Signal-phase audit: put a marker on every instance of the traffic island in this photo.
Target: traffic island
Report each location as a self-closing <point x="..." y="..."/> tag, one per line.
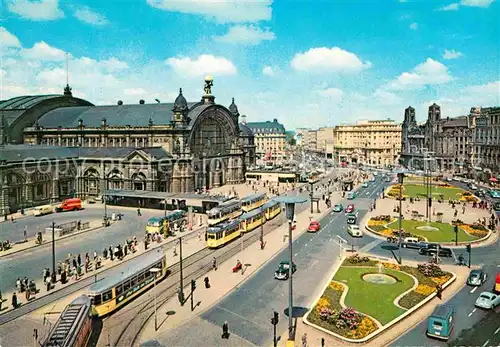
<point x="439" y="191"/>
<point x="436" y="232"/>
<point x="346" y="311"/>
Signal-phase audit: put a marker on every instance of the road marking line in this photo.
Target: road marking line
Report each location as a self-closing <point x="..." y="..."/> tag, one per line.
<point x="305" y="245"/>
<point x="295" y="254"/>
<point x="473" y="290"/>
<point x="470" y="314"/>
<point x="486" y="343"/>
<point x="496" y="331"/>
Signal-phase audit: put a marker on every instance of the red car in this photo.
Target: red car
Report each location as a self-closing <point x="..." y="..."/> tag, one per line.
<point x="349" y="208"/>
<point x="313" y="227"/>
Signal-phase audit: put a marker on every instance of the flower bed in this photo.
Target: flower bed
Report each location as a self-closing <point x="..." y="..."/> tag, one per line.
<point x="429" y="276"/>
<point x="476" y="230"/>
<point x="356" y="260"/>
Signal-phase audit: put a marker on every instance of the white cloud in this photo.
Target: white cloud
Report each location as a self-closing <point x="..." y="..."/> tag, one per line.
<point x="413" y="26"/>
<point x="387" y="98"/>
<point x="246" y="35"/>
<point x="222" y="11"/>
<point x="268" y="71"/>
<point x="134" y="91"/>
<point x="324" y="59"/>
<point x="8" y="40"/>
<point x="203" y="65"/>
<point x="468" y="3"/>
<point x="488" y="91"/>
<point x="333" y="94"/>
<point x="476" y="3"/>
<point x="431" y="72"/>
<point x="37" y="10"/>
<point x="451" y="7"/>
<point x="42" y="51"/>
<point x="451" y="54"/>
<point x="86" y="15"/>
<point x="113" y="64"/>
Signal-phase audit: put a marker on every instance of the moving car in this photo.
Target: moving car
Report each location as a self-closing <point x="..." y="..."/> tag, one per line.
<point x="282" y="272"/>
<point x="365" y="185"/>
<point x="372" y="179"/>
<point x="440" y="322"/>
<point x="354" y="231"/>
<point x="42" y="210"/>
<point x="411" y="242"/>
<point x="338" y="208"/>
<point x="476" y="278"/>
<point x="488" y="301"/>
<point x="431" y="249"/>
<point x="349" y="208"/>
<point x="313" y="227"/>
<point x="352" y="218"/>
<point x="351" y="195"/>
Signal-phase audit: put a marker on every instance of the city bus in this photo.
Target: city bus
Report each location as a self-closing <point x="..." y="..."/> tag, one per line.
<point x="164" y="225"/>
<point x="223" y="212"/>
<point x="116" y="290"/>
<point x="252" y="202"/>
<point x="74" y="326"/>
<point x="222" y="234"/>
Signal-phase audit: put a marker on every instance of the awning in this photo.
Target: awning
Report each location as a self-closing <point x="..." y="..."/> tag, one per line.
<point x="493" y="179"/>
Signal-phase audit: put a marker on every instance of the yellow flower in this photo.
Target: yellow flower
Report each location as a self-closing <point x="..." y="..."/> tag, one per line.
<point x="441" y="280"/>
<point x="322" y="303"/>
<point x="391" y="266"/>
<point x="336" y="286"/>
<point x="365" y="328"/>
<point x="425" y="289"/>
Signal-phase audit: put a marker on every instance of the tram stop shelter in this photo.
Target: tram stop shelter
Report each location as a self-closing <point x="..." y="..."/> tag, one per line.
<point x="347" y="185"/>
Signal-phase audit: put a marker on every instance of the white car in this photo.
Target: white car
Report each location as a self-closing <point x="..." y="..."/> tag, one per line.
<point x="473" y="187"/>
<point x="354" y="231"/>
<point x="488" y="300"/>
<point x="364" y="185"/>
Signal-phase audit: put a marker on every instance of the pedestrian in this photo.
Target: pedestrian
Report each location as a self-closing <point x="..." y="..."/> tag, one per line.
<point x="27" y="294"/>
<point x="225" y="330"/>
<point x="95" y="255"/>
<point x="14" y="300"/>
<point x="199" y="235"/>
<point x="463" y="209"/>
<point x="304" y="340"/>
<point x="12" y="218"/>
<point x="47" y="283"/>
<point x="79" y="260"/>
<point x="322" y="342"/>
<point x="25" y="233"/>
<point x="214" y="264"/>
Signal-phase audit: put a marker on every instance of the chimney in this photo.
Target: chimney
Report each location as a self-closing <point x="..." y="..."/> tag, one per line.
<point x="80" y="122"/>
<point x="103" y="122"/>
<point x="244" y="119"/>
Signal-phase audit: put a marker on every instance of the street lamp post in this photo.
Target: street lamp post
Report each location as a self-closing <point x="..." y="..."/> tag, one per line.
<point x="181" y="288"/>
<point x="290" y="202"/>
<point x="53" y="277"/>
<point x="154" y="271"/>
<point x="401" y="176"/>
<point x="311" y="193"/>
<point x="105" y="196"/>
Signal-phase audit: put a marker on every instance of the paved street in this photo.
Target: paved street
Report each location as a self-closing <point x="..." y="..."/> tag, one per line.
<point x="31" y="262"/>
<point x="249" y="307"/>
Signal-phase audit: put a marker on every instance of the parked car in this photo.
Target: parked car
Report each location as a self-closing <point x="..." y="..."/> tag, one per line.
<point x="372" y="179"/>
<point x="488" y="301"/>
<point x="338" y="208"/>
<point x="431" y="249"/>
<point x="354" y="231"/>
<point x="365" y="185"/>
<point x="349" y="208"/>
<point x="476" y="278"/>
<point x="411" y="242"/>
<point x="282" y="272"/>
<point x="314" y="226"/>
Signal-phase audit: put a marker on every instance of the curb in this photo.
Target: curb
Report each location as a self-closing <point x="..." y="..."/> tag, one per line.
<point x="48" y="242"/>
<point x="382" y="328"/>
<point x="447" y="244"/>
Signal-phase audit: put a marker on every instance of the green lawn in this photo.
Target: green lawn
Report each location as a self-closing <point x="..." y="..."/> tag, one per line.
<point x="446" y="231"/>
<point x="376" y="300"/>
<point x="414" y="190"/>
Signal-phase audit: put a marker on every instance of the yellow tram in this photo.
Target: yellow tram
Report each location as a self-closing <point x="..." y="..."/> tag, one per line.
<point x="118" y="289"/>
<point x="221" y="234"/>
<point x="224" y="212"/>
<point x="272" y="208"/>
<point x="251" y="202"/>
<point x="252" y="220"/>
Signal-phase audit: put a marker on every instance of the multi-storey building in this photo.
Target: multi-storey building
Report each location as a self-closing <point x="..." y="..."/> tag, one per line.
<point x="325" y="142"/>
<point x="310" y="140"/>
<point x="270" y="140"/>
<point x="375" y="143"/>
<point x="486" y="138"/>
<point x="445" y="141"/>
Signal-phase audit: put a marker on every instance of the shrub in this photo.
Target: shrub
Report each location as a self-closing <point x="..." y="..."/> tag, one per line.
<point x="350" y="317"/>
<point x="411" y="299"/>
<point x="356" y="259"/>
<point x="430" y="270"/>
<point x="325" y="313"/>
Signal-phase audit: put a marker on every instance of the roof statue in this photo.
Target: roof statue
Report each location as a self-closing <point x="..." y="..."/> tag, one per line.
<point x="180" y="103"/>
<point x="67" y="90"/>
<point x="233" y="108"/>
<point x="209" y="82"/>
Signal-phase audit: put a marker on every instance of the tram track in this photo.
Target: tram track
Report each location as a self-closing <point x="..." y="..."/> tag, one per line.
<point x="133" y="322"/>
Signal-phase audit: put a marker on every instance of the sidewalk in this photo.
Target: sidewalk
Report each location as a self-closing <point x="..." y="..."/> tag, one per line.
<point x="384" y="339"/>
<point x="191" y="244"/>
<point x="47" y="239"/>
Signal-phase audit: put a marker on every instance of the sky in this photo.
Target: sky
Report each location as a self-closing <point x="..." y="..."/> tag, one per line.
<point x="307" y="63"/>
